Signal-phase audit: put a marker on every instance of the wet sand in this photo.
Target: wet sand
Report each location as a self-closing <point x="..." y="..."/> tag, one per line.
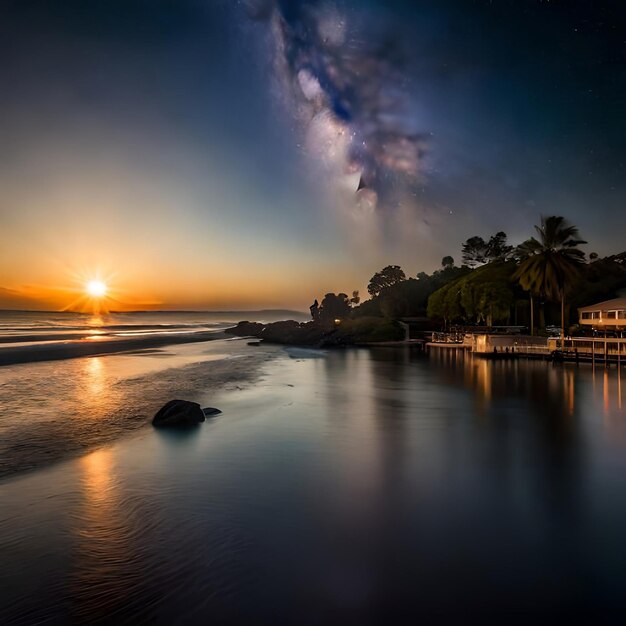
<point x="58" y="409"/>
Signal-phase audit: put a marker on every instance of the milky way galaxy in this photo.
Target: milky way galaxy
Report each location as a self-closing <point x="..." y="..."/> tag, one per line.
<point x="344" y="81"/>
<point x="431" y="115"/>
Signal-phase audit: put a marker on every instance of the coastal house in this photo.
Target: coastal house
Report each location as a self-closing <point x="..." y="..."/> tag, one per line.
<point x="608" y="315"/>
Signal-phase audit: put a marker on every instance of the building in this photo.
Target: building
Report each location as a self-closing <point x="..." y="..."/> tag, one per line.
<point x="609" y="315"/>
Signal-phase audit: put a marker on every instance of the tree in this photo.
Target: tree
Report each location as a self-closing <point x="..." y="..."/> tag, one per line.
<point x="315" y="310"/>
<point x="493" y="302"/>
<point x="387" y="277"/>
<point x="593" y="256"/>
<point x="497" y="247"/>
<point x="355" y="299"/>
<point x="523" y="251"/>
<point x="441" y="305"/>
<point x="334" y="307"/>
<point x="483" y="294"/>
<point x="447" y="261"/>
<point x="474" y="251"/>
<point x="477" y="251"/>
<point x="553" y="262"/>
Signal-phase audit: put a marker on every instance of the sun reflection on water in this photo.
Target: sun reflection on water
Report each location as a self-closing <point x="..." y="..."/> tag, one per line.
<point x="96" y="387"/>
<point x="97" y="478"/>
<point x="95" y="320"/>
<point x="105" y="565"/>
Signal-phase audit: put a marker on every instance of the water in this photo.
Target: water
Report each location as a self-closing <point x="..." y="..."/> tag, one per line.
<point x="54" y="409"/>
<point x="45" y="326"/>
<point x="363" y="486"/>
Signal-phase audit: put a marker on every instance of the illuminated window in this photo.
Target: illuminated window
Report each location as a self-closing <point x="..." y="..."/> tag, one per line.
<point x="591" y="315"/>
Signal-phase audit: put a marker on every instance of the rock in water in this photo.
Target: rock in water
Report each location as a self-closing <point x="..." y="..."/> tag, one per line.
<point x="210" y="411"/>
<point x="178" y="413"/>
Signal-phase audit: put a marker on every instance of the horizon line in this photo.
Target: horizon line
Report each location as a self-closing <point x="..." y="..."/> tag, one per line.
<point x="265" y="310"/>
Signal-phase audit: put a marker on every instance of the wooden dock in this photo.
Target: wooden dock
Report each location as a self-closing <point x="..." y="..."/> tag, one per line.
<point x="606" y="351"/>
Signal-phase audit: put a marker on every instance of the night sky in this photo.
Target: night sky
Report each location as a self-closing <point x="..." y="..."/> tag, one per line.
<point x="233" y="154"/>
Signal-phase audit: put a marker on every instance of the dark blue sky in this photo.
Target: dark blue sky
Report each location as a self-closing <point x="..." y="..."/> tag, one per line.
<point x="241" y="131"/>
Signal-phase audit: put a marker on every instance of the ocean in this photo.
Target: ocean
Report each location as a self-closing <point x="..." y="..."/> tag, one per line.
<point x="40" y="326"/>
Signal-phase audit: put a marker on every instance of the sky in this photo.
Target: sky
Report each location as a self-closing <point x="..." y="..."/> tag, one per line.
<point x="218" y="154"/>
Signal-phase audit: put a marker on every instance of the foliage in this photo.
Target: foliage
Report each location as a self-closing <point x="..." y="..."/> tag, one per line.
<point x="367" y="330"/>
<point x="548" y="266"/>
<point x="484" y="294"/>
<point x="476" y="251"/>
<point x="334" y="307"/>
<point x="408" y="298"/>
<point x="368" y="308"/>
<point x="601" y="280"/>
<point x="387" y="277"/>
<point x="552" y="264"/>
<point x="498" y="248"/>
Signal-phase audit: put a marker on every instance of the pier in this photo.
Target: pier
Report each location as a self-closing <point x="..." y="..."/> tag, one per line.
<point x="600" y="350"/>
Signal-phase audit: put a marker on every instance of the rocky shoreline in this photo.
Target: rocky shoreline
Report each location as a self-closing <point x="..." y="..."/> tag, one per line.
<point x="347" y="332"/>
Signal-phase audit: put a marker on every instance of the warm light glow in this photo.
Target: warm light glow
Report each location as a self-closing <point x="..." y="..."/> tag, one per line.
<point x="96" y="288"/>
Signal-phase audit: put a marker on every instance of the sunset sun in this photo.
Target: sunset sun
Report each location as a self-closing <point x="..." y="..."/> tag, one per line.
<point x="96" y="288"/>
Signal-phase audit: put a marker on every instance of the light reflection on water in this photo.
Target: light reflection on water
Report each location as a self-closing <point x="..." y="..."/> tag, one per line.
<point x="103" y="543"/>
<point x="340" y="489"/>
<point x="51" y="410"/>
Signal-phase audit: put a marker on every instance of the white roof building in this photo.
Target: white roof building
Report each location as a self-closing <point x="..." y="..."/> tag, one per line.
<point x="609" y="315"/>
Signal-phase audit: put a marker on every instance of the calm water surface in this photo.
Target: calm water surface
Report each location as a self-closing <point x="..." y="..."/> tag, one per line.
<point x="357" y="486"/>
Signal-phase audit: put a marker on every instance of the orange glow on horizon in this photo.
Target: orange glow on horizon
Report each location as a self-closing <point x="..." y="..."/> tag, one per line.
<point x="99" y="288"/>
<point x="92" y="293"/>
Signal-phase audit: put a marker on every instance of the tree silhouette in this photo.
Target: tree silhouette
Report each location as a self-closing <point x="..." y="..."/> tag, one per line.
<point x="334" y="307"/>
<point x="447" y="261"/>
<point x="523" y="251"/>
<point x="553" y="262"/>
<point x="497" y="247"/>
<point x="387" y="277"/>
<point x="477" y="251"/>
<point x="474" y="251"/>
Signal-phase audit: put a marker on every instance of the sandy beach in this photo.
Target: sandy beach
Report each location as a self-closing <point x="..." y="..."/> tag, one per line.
<point x="55" y="409"/>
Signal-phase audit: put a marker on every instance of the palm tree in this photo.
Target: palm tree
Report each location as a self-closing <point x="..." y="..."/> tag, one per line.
<point x="522" y="252"/>
<point x="552" y="262"/>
